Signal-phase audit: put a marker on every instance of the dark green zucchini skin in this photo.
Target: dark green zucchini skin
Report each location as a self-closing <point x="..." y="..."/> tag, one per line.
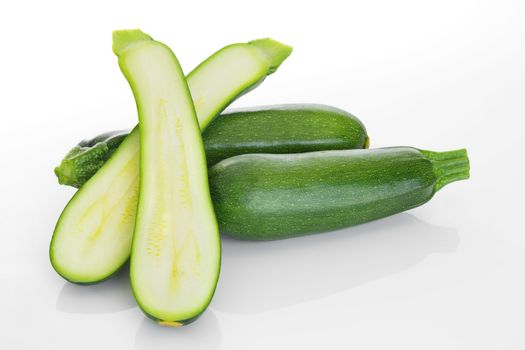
<point x="293" y="128"/>
<point x="84" y="160"/>
<point x="270" y="196"/>
<point x="290" y="128"/>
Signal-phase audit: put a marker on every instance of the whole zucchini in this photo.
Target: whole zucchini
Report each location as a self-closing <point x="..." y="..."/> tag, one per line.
<point x="293" y="128"/>
<point x="271" y="196"/>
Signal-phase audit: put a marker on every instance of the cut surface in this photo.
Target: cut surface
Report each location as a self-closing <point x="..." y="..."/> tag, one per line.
<point x="95" y="242"/>
<point x="242" y="59"/>
<point x="92" y="238"/>
<point x="176" y="247"/>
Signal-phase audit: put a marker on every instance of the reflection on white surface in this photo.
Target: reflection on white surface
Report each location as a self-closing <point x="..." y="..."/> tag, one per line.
<point x="109" y="296"/>
<point x="260" y="276"/>
<point x="202" y="334"/>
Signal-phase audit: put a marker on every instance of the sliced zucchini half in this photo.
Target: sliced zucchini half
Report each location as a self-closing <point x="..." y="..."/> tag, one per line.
<point x="92" y="238"/>
<point x="175" y="255"/>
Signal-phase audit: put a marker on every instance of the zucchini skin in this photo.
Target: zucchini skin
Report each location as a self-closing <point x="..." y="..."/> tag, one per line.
<point x="89" y="155"/>
<point x="293" y="128"/>
<point x="268" y="196"/>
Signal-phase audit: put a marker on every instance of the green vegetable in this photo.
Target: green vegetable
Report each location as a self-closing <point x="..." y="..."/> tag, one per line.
<point x="176" y="249"/>
<point x="282" y="129"/>
<point x="268" y="196"/>
<point x="92" y="239"/>
<point x="269" y="129"/>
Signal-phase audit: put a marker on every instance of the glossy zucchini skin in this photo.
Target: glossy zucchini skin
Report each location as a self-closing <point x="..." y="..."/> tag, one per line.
<point x="268" y="196"/>
<point x="290" y="128"/>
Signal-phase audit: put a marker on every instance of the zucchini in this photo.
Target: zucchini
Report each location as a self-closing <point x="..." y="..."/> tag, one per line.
<point x="92" y="238"/>
<point x="271" y="196"/>
<point x="176" y="249"/>
<point x="293" y="128"/>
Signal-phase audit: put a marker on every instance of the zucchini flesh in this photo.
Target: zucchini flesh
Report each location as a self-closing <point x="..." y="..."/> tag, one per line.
<point x="291" y="128"/>
<point x="93" y="234"/>
<point x="272" y="196"/>
<point x="175" y="256"/>
<point x="92" y="238"/>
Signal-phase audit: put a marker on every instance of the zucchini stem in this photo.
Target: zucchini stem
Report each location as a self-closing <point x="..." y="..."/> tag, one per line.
<point x="449" y="166"/>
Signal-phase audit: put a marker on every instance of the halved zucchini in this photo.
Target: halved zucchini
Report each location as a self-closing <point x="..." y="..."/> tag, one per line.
<point x="176" y="247"/>
<point x="92" y="239"/>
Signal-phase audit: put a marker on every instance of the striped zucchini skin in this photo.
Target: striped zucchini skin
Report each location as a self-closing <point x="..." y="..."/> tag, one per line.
<point x="269" y="196"/>
<point x="292" y="128"/>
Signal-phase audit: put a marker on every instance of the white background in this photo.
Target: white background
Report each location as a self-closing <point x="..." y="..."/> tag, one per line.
<point x="436" y="75"/>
